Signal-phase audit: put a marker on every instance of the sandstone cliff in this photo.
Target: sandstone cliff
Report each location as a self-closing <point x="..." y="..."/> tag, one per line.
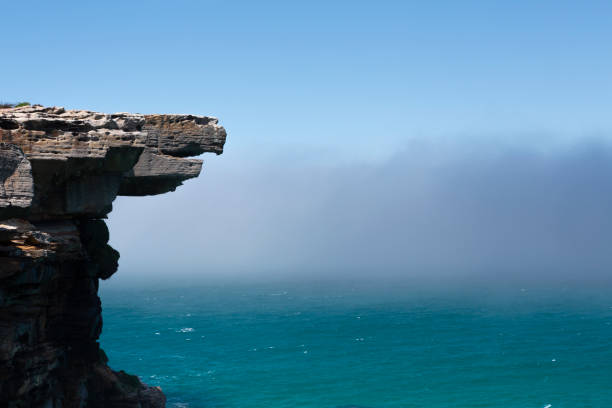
<point x="60" y="171"/>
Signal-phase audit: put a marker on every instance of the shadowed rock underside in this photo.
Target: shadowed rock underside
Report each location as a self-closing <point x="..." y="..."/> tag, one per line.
<point x="60" y="171"/>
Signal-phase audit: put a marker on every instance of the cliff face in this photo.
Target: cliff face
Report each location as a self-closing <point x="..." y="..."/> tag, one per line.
<point x="59" y="174"/>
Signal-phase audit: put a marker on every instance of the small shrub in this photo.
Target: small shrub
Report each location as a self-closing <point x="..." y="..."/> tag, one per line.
<point x="4" y="105"/>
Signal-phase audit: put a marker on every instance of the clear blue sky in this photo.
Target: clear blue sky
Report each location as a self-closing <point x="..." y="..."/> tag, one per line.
<point x="388" y="135"/>
<point x="354" y="76"/>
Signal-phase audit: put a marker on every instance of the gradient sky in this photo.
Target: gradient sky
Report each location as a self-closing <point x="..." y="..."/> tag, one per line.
<point x="397" y="137"/>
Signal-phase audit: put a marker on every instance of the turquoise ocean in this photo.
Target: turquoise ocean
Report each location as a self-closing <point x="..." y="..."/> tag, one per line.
<point x="331" y="345"/>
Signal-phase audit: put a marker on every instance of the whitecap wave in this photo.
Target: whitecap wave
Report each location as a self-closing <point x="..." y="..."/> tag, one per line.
<point x="186" y="330"/>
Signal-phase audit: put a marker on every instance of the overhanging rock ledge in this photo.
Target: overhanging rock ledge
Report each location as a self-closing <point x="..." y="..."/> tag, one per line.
<point x="60" y="171"/>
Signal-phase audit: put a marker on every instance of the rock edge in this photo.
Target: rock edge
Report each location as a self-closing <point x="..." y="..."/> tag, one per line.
<point x="60" y="171"/>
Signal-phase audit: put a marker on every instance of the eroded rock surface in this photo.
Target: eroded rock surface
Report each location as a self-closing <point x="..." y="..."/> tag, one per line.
<point x="60" y="171"/>
<point x="17" y="185"/>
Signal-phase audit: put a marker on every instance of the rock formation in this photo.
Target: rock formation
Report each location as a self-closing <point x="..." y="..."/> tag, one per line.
<point x="60" y="171"/>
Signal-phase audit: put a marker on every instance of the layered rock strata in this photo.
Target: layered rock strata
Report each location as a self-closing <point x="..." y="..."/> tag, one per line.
<point x="60" y="171"/>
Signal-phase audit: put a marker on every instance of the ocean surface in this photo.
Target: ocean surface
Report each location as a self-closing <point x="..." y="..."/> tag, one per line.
<point x="342" y="345"/>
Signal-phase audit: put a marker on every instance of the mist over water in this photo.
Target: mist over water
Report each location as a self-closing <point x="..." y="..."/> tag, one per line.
<point x="471" y="273"/>
<point x="476" y="210"/>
